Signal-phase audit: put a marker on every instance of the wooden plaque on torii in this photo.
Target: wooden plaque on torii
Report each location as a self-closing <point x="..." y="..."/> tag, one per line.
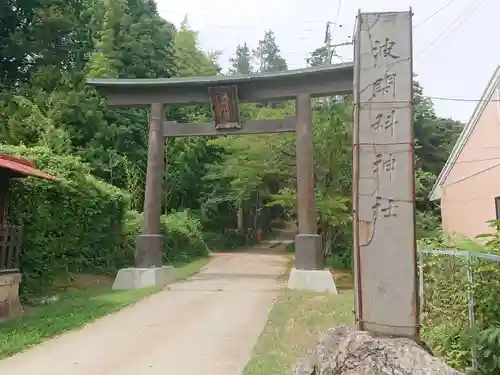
<point x="225" y="109"/>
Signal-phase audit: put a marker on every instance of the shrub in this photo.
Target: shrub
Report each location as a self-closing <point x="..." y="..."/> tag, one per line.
<point x="446" y="320"/>
<point x="427" y="225"/>
<point x="183" y="237"/>
<point x="132" y="227"/>
<point x="229" y="240"/>
<point x="72" y="225"/>
<point x="80" y="224"/>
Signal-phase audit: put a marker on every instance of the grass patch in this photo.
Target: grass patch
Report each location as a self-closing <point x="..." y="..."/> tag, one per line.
<point x="289" y="265"/>
<point x="294" y="325"/>
<point x="183" y="271"/>
<point x="74" y="309"/>
<point x="343" y="278"/>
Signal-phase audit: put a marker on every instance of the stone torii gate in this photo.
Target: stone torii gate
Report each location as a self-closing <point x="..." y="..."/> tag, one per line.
<point x="224" y="94"/>
<point x="386" y="280"/>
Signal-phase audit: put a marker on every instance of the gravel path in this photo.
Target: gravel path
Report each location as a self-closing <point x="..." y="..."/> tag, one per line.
<point x="205" y="325"/>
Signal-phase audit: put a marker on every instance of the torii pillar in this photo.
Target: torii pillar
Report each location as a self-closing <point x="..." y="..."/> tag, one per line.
<point x="309" y="272"/>
<point x="149" y="269"/>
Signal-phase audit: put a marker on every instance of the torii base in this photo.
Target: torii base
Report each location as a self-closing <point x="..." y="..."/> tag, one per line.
<point x="320" y="281"/>
<point x="136" y="278"/>
<point x="309" y="273"/>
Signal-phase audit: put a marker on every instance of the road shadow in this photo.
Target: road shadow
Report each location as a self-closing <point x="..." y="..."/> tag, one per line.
<point x="258" y="249"/>
<point x="223" y="275"/>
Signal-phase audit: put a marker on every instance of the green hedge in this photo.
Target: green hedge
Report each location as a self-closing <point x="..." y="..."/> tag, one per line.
<point x="225" y="241"/>
<point x="445" y="316"/>
<point x="81" y="224"/>
<point x="72" y="225"/>
<point x="183" y="239"/>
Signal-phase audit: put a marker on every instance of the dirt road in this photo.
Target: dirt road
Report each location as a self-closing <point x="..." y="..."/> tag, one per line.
<point x="206" y="325"/>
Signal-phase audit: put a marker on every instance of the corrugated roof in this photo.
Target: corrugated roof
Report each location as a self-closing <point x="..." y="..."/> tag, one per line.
<point x="23" y="167"/>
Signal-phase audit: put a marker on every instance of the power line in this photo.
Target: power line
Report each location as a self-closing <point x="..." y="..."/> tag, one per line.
<point x="459" y="18"/>
<point x="476" y="160"/>
<point x="435" y="13"/>
<point x="329" y="35"/>
<point x="473" y="175"/>
<point x="8" y="38"/>
<point x="415" y="143"/>
<point x="330" y="48"/>
<point x="451" y="99"/>
<point x="327" y="40"/>
<point x="71" y="50"/>
<point x="209" y="15"/>
<point x="81" y="46"/>
<point x="442" y="98"/>
<point x="469" y="200"/>
<point x="339" y="6"/>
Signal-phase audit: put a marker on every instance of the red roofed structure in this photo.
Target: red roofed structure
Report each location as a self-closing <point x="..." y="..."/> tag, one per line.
<point x="19" y="167"/>
<point x="11" y="235"/>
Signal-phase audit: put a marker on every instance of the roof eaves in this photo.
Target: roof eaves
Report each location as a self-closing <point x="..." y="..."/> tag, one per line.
<point x="465" y="134"/>
<point x="23" y="167"/>
<point x="216" y="79"/>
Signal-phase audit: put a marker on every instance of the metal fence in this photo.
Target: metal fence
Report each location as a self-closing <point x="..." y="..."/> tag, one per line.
<point x="457" y="290"/>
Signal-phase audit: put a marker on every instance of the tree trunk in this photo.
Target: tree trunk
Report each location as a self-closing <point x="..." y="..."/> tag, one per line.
<point x="240" y="217"/>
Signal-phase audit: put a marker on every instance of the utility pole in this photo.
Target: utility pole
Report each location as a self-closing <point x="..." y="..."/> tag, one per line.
<point x="328" y="42"/>
<point x="330" y="48"/>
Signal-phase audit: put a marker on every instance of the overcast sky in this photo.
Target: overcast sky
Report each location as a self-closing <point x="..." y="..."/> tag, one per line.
<point x="457" y="64"/>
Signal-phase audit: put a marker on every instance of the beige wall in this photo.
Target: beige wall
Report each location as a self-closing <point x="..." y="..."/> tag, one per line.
<point x="468" y="194"/>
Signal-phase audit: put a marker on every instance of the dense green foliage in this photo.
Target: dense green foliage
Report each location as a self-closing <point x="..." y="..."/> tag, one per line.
<point x="46" y="52"/>
<point x="88" y="221"/>
<point x="73" y="225"/>
<point x="81" y="224"/>
<point x="447" y="325"/>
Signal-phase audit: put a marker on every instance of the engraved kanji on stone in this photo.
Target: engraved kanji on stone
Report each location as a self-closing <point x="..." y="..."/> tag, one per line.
<point x="385" y="121"/>
<point x="387" y="207"/>
<point x="390" y="208"/>
<point x="384" y="164"/>
<point x="384" y="86"/>
<point x="384" y="49"/>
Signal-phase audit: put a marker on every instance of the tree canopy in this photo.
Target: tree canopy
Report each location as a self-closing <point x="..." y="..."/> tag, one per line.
<point x="47" y="50"/>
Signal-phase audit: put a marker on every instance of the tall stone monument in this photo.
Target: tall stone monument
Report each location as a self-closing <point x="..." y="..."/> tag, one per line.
<point x="384" y="197"/>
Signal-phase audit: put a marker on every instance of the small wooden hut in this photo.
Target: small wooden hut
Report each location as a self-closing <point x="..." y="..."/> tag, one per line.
<point x="11" y="235"/>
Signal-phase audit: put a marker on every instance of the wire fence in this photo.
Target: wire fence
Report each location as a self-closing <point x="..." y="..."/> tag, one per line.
<point x="459" y="297"/>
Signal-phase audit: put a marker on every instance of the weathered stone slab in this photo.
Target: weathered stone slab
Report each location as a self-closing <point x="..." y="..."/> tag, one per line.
<point x="135" y="278"/>
<point x="320" y="281"/>
<point x="384" y="192"/>
<point x="344" y="351"/>
<point x="10" y="305"/>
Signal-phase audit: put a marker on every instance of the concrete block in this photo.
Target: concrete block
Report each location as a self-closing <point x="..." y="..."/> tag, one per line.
<point x="10" y="305"/>
<point x="312" y="280"/>
<point x="135" y="278"/>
